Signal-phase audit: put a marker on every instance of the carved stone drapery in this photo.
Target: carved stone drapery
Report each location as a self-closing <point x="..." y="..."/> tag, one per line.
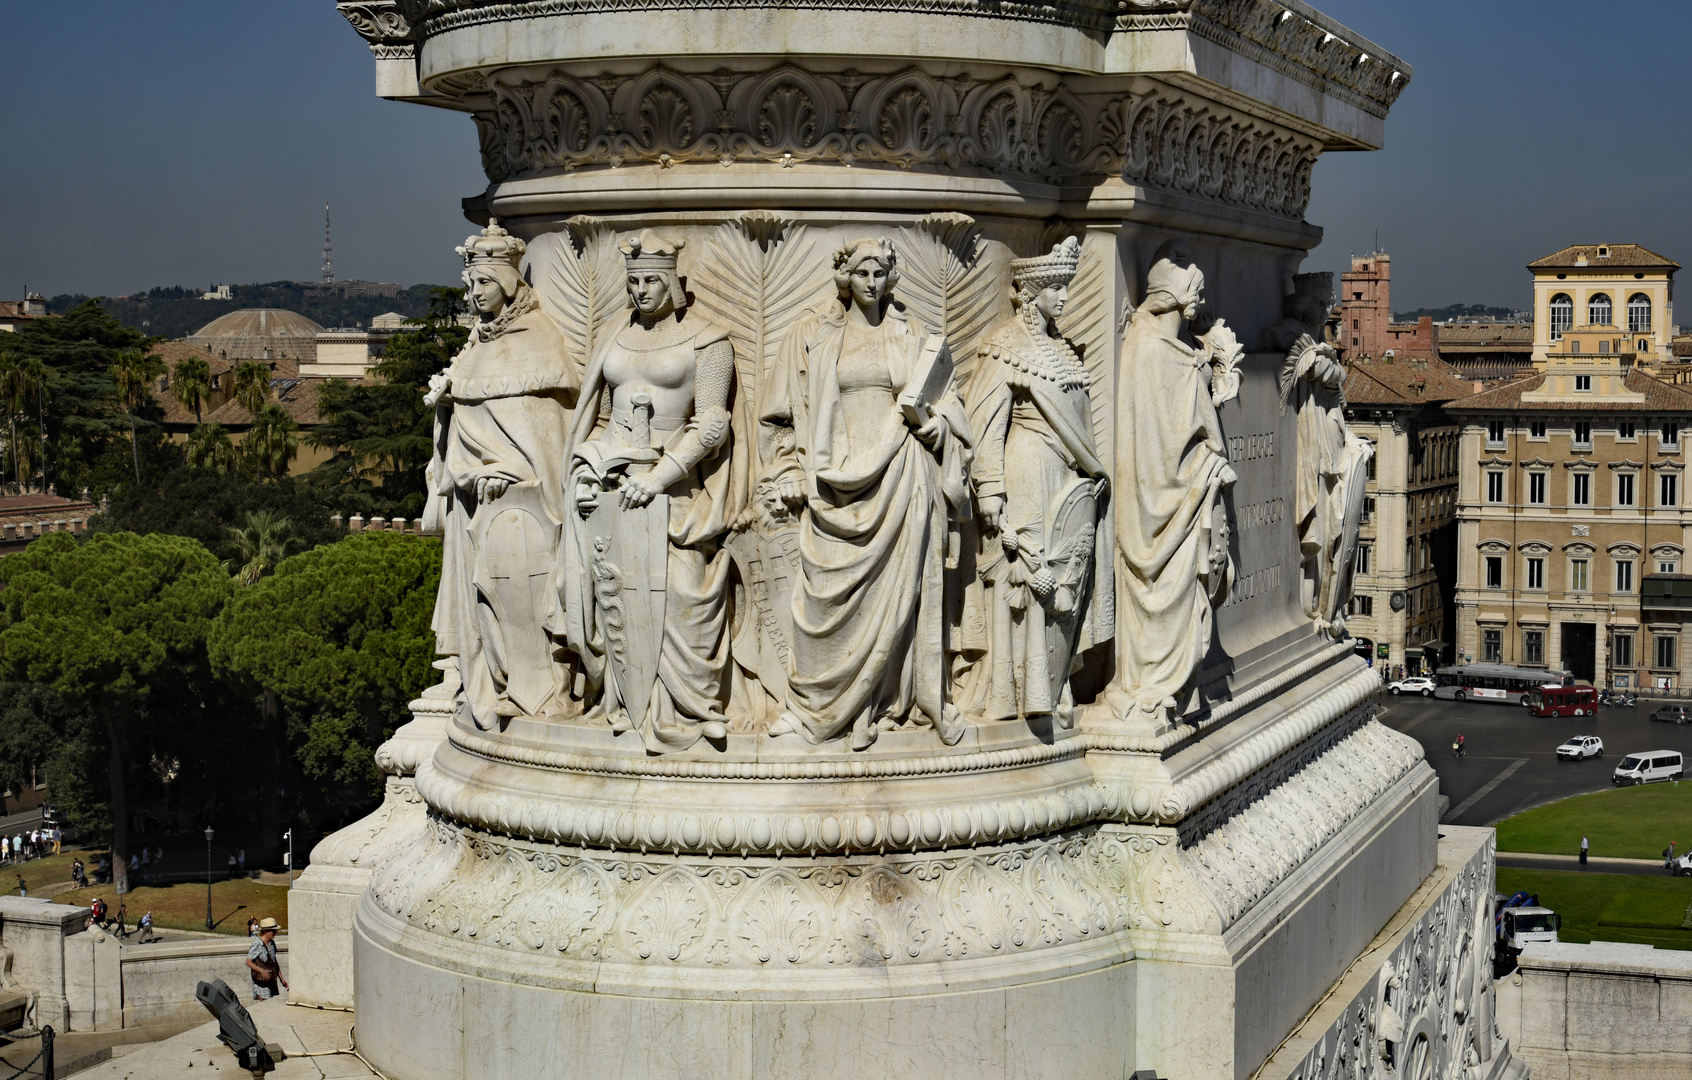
<point x="1002" y="126"/>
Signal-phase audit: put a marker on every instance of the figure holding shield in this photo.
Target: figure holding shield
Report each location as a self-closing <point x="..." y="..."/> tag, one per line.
<point x="655" y="479"/>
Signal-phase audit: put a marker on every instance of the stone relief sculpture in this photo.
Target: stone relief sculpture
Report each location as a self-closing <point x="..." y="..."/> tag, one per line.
<point x="655" y="480"/>
<point x="496" y="488"/>
<point x="1332" y="462"/>
<point x="878" y="459"/>
<point x="1040" y="485"/>
<point x="1172" y="470"/>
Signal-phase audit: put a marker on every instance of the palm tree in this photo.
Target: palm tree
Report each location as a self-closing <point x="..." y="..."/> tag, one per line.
<point x="252" y="385"/>
<point x="273" y="441"/>
<point x="191" y="383"/>
<point x="134" y="371"/>
<point x="260" y="545"/>
<point x="209" y="448"/>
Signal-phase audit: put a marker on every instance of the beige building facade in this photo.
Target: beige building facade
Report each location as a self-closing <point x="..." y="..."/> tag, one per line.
<point x="1624" y="288"/>
<point x="1572" y="520"/>
<point x="1406" y="569"/>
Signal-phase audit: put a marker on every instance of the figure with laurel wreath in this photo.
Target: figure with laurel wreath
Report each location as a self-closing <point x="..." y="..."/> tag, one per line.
<point x="656" y="475"/>
<point x="1041" y="489"/>
<point x="879" y="460"/>
<point x="496" y="489"/>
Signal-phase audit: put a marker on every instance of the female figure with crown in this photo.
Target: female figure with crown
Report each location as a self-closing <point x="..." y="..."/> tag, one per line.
<point x="496" y="486"/>
<point x="656" y="476"/>
<point x="879" y="460"/>
<point x="1040" y="484"/>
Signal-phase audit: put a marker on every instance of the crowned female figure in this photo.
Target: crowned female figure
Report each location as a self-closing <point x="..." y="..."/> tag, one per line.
<point x="879" y="460"/>
<point x="1171" y="471"/>
<point x="496" y="487"/>
<point x="655" y="482"/>
<point x="1040" y="485"/>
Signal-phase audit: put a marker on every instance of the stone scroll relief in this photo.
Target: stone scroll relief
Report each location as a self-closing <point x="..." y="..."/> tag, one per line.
<point x="1428" y="1012"/>
<point x="651" y="910"/>
<point x="1262" y="30"/>
<point x="1002" y="126"/>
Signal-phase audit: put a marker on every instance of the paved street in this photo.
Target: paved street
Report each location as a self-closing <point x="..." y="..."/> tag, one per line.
<point x="1512" y="762"/>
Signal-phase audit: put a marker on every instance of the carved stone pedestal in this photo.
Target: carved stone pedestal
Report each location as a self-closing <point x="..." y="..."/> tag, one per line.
<point x="901" y="665"/>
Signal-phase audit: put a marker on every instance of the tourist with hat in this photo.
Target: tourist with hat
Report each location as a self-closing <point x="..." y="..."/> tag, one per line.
<point x="262" y="963"/>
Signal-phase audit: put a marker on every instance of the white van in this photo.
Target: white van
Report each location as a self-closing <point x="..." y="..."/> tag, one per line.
<point x="1648" y="767"/>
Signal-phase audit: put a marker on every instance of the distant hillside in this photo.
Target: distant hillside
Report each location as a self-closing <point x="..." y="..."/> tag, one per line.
<point x="175" y="311"/>
<point x="1456" y="313"/>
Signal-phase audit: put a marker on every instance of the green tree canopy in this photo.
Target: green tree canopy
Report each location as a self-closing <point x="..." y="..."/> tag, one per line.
<point x="105" y="623"/>
<point x="191" y="384"/>
<point x="340" y="635"/>
<point x="203" y="503"/>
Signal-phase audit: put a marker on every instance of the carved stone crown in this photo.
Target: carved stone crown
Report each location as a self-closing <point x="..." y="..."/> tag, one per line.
<point x="493" y="245"/>
<point x="648" y="250"/>
<point x="1317" y="284"/>
<point x="1044" y="270"/>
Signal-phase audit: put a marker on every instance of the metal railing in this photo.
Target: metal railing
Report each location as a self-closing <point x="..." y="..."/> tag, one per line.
<point x="44" y="1059"/>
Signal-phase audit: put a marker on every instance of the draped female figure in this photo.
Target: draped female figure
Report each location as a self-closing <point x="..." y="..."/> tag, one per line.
<point x="879" y="461"/>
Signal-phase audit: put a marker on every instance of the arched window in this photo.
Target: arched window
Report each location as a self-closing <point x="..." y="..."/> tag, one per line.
<point x="1639" y="313"/>
<point x="1598" y="310"/>
<point x="1562" y="315"/>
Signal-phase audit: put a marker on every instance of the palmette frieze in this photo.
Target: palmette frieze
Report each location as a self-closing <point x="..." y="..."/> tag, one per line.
<point x="635" y="910"/>
<point x="1001" y="126"/>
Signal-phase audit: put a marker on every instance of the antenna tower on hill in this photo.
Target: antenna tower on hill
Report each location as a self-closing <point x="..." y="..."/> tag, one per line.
<point x="328" y="259"/>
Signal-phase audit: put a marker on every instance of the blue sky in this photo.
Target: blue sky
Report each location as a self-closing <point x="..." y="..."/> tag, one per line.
<point x="192" y="141"/>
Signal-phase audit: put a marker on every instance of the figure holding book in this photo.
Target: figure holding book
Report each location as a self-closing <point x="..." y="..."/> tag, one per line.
<point x="1040" y="486"/>
<point x="879" y="462"/>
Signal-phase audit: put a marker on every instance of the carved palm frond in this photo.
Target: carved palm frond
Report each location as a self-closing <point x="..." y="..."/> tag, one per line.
<point x="578" y="276"/>
<point x="1087" y="321"/>
<point x="757" y="277"/>
<point x="948" y="284"/>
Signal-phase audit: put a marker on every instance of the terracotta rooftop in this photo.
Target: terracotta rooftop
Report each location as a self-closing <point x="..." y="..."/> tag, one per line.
<point x="1481" y="335"/>
<point x="1405" y="382"/>
<point x="298" y="396"/>
<point x="173" y="352"/>
<point x="1659" y="397"/>
<point x="14" y="309"/>
<point x="1620" y="255"/>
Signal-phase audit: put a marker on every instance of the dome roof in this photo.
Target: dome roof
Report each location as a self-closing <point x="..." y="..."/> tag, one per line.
<point x="259" y="333"/>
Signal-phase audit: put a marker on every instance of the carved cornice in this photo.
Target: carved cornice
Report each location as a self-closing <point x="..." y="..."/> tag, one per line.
<point x="1153" y="135"/>
<point x="1266" y="829"/>
<point x="1265" y="31"/>
<point x="597" y="916"/>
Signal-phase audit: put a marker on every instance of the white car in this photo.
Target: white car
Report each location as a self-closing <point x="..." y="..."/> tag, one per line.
<point x="1581" y="747"/>
<point x="1415" y="684"/>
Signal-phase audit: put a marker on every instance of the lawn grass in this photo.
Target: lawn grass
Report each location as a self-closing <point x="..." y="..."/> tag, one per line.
<point x="48" y="871"/>
<point x="1610" y="907"/>
<point x="183" y="907"/>
<point x="1626" y="823"/>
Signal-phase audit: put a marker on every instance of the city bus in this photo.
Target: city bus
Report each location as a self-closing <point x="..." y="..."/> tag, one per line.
<point x="1491" y="682"/>
<point x="1562" y="701"/>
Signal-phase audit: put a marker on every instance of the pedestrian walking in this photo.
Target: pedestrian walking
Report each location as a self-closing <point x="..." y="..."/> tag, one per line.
<point x="23" y="886"/>
<point x="1668" y="856"/>
<point x="145" y="926"/>
<point x="123" y="918"/>
<point x="262" y="963"/>
<point x="252" y="926"/>
<point x="5" y="849"/>
<point x="241" y="861"/>
<point x="58" y="840"/>
<point x="231" y="866"/>
<point x="1583" y="851"/>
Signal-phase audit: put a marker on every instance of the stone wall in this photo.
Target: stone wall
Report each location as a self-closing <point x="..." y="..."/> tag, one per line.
<point x="1601" y="1010"/>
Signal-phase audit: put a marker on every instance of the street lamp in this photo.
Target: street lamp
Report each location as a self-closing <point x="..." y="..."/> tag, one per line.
<point x="208" y="877"/>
